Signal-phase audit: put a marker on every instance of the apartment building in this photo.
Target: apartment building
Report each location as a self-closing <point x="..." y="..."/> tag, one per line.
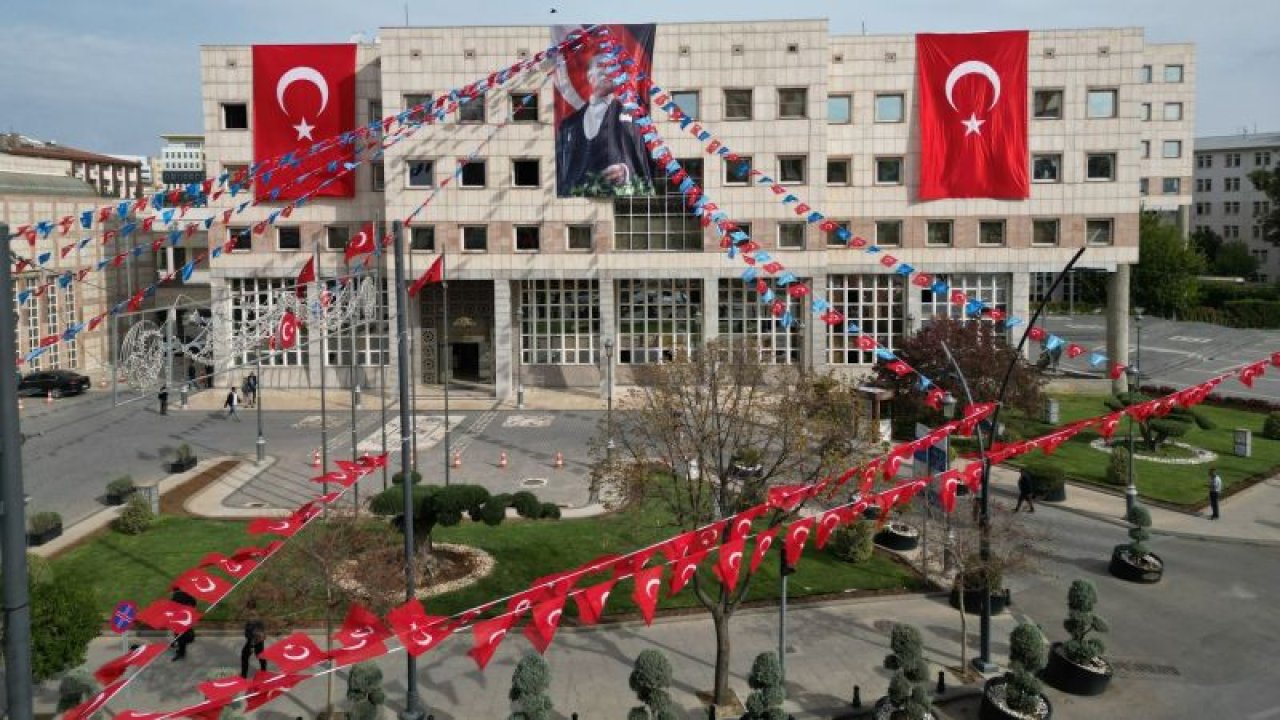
<point x="1226" y="202"/>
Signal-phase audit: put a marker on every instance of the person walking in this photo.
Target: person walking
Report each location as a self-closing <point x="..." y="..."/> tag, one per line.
<point x="189" y="635"/>
<point x="232" y="402"/>
<point x="191" y="377"/>
<point x="1215" y="491"/>
<point x="1024" y="492"/>
<point x="251" y="389"/>
<point x="255" y="639"/>
<point x="163" y="396"/>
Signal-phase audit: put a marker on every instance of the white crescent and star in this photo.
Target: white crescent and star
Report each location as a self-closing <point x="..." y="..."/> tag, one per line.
<point x="688" y="572"/>
<point x="496" y="637"/>
<point x="203" y="584"/>
<point x="742" y="527"/>
<point x="303" y="74"/>
<point x="226" y="682"/>
<point x="802" y="533"/>
<point x="292" y="656"/>
<point x="553" y="617"/>
<point x="180" y="617"/>
<point x="421" y="637"/>
<point x="363" y="640"/>
<point x="973" y="126"/>
<point x="280" y="526"/>
<point x="232" y="567"/>
<point x="651" y="587"/>
<point x="735" y="560"/>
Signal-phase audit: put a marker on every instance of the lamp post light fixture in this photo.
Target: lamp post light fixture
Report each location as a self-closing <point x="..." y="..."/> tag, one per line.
<point x="257" y="403"/>
<point x="948" y="559"/>
<point x="1134" y="374"/>
<point x="520" y="359"/>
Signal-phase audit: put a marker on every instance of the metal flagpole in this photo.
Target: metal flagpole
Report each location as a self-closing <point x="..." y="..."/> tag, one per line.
<point x="355" y="389"/>
<point x="382" y="348"/>
<point x="324" y="362"/>
<point x="448" y="351"/>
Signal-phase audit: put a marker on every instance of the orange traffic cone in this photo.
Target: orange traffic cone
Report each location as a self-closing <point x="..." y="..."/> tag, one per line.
<point x="502" y="459"/>
<point x="48" y="399"/>
<point x="315" y="458"/>
<point x="559" y="459"/>
<point x="457" y="458"/>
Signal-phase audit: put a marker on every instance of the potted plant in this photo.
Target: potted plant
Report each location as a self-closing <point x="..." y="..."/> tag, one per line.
<point x="1135" y="562"/>
<point x="897" y="534"/>
<point x="120" y="489"/>
<point x="1016" y="695"/>
<point x="364" y="691"/>
<point x="1048" y="481"/>
<point x="43" y="527"/>
<point x="908" y="697"/>
<point x="184" y="460"/>
<point x="1077" y="666"/>
<point x="976" y="575"/>
<point x="746" y="463"/>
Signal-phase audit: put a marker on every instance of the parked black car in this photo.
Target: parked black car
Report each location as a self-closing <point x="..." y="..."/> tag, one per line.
<point x="57" y="382"/>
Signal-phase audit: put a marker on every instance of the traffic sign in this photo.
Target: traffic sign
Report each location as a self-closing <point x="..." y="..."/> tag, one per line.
<point x="122" y="617"/>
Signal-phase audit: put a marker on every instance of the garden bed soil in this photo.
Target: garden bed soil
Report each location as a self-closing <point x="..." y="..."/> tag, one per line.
<point x="446" y="568"/>
<point x="172" y="502"/>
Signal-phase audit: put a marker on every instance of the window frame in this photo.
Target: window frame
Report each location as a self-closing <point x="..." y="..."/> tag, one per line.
<point x="568" y="237"/>
<point x="894" y="160"/>
<point x="730" y="177"/>
<point x="949" y="224"/>
<point x="1111" y="231"/>
<point x="1055" y="223"/>
<point x="847" y="163"/>
<point x="803" y="166"/>
<point x="1089" y="156"/>
<point x="1165" y="145"/>
<point x="413" y="238"/>
<point x="697" y="101"/>
<point x="804" y="103"/>
<point x="518" y="107"/>
<point x="408" y="173"/>
<point x="848" y="101"/>
<point x="293" y="228"/>
<point x="1052" y="91"/>
<point x="750" y="107"/>
<point x="463" y="239"/>
<point x="537" y="237"/>
<point x="466" y="111"/>
<point x="1115" y="103"/>
<point x="483" y="164"/>
<point x="1057" y="174"/>
<point x="791" y="225"/>
<point x="1004" y="232"/>
<point x="902" y="107"/>
<point x="226" y="125"/>
<point x="1164" y="112"/>
<point x="329" y="232"/>
<point x="1181" y="72"/>
<point x="239" y="234"/>
<point x="897" y="224"/>
<point x="537" y="166"/>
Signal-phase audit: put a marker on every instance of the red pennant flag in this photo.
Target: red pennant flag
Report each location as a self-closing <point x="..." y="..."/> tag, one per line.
<point x="1252" y="372"/>
<point x="958" y="297"/>
<point x="648" y="583"/>
<point x="741" y="526"/>
<point x="363" y="651"/>
<point x="764" y="541"/>
<point x="295" y="652"/>
<point x="556" y="584"/>
<point x="288" y="330"/>
<point x="1074" y="350"/>
<point x="891" y="465"/>
<point x="169" y="615"/>
<point x="1037" y="333"/>
<point x="546" y="620"/>
<point x="631" y="564"/>
<point x="488" y="636"/>
<point x="683" y="571"/>
<point x="591" y="601"/>
<point x="373" y="462"/>
<point x="784" y="497"/>
<point x="797" y="535"/>
<point x="284" y="527"/>
<point x="362" y="243"/>
<point x="306" y="275"/>
<point x="678" y="546"/>
<point x="899" y="368"/>
<point x="91" y="706"/>
<point x="950" y="484"/>
<point x="709" y="536"/>
<point x="268" y="686"/>
<point x="934" y="398"/>
<point x="418" y="632"/>
<point x="973" y="476"/>
<point x="827" y="523"/>
<point x="235" y="567"/>
<point x="434" y="274"/>
<point x="111" y="670"/>
<point x="203" y="585"/>
<point x="729" y="564"/>
<point x="223" y="688"/>
<point x="866" y="342"/>
<point x="360" y="626"/>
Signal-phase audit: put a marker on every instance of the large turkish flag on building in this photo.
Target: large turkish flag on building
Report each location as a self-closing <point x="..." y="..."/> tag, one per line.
<point x="973" y="115"/>
<point x="303" y="95"/>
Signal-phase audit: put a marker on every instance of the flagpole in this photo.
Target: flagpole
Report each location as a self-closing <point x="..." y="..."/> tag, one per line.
<point x="355" y="389"/>
<point x="324" y="351"/>
<point x="382" y="349"/>
<point x="448" y="352"/>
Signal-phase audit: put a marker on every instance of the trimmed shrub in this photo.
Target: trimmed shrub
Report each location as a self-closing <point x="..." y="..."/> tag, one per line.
<point x="43" y="522"/>
<point x="1026" y="660"/>
<point x="526" y="505"/>
<point x="76" y="687"/>
<point x="493" y="512"/>
<point x="529" y="684"/>
<point x="549" y="511"/>
<point x="909" y="686"/>
<point x="1080" y="622"/>
<point x="364" y="691"/>
<point x="64" y="619"/>
<point x="1047" y="478"/>
<point x="136" y="517"/>
<point x="854" y="543"/>
<point x="390" y="502"/>
<point x="767" y="691"/>
<point x="1271" y="428"/>
<point x="122" y="485"/>
<point x="1140" y="518"/>
<point x="1118" y="467"/>
<point x="650" y="678"/>
<point x="415" y="477"/>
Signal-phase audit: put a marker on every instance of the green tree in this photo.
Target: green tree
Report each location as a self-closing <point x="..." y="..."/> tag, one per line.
<point x="1164" y="280"/>
<point x="364" y="691"/>
<point x="909" y="686"/>
<point x="1268" y="181"/>
<point x="767" y="689"/>
<point x="1207" y="243"/>
<point x="1081" y="622"/>
<point x="1026" y="660"/>
<point x="649" y="680"/>
<point x="529" y="684"/>
<point x="1156" y="431"/>
<point x="1235" y="260"/>
<point x="63" y="621"/>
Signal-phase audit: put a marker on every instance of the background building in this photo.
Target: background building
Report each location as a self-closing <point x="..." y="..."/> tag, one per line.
<point x="1226" y="202"/>
<point x="181" y="161"/>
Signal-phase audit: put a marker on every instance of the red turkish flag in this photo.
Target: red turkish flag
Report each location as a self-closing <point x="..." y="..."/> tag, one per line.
<point x="546" y="620"/>
<point x="934" y="398"/>
<point x="169" y="615"/>
<point x="828" y="522"/>
<point x="684" y="570"/>
<point x="648" y="585"/>
<point x="742" y="522"/>
<point x="488" y="636"/>
<point x="235" y="567"/>
<point x="797" y="535"/>
<point x="306" y="275"/>
<point x="284" y="527"/>
<point x="223" y="688"/>
<point x="950" y="483"/>
<point x="111" y="670"/>
<point x="294" y="652"/>
<point x="434" y="274"/>
<point x="303" y="95"/>
<point x="591" y="601"/>
<point x="709" y="536"/>
<point x="362" y="243"/>
<point x="973" y="476"/>
<point x="360" y="652"/>
<point x="764" y="541"/>
<point x="360" y="626"/>
<point x="268" y="686"/>
<point x="678" y="546"/>
<point x="973" y="115"/>
<point x="418" y="632"/>
<point x="87" y="708"/>
<point x="729" y="565"/>
<point x="203" y="585"/>
<point x="288" y="331"/>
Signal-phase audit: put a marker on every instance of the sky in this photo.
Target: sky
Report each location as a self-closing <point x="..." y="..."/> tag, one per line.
<point x="112" y="75"/>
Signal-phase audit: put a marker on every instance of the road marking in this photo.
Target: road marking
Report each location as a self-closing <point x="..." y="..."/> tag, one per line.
<point x="528" y="421"/>
<point x="429" y="431"/>
<point x="1084" y="327"/>
<point x="1187" y="339"/>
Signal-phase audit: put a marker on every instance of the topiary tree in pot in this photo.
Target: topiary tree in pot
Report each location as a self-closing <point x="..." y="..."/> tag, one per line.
<point x="649" y="680"/>
<point x="1135" y="561"/>
<point x="1026" y="660"/>
<point x="1118" y="467"/>
<point x="364" y="691"/>
<point x="529" y="684"/>
<point x="1076" y="666"/>
<point x="909" y="686"/>
<point x="767" y="689"/>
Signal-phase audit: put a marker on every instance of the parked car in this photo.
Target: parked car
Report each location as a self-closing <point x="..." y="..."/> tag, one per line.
<point x="55" y="382"/>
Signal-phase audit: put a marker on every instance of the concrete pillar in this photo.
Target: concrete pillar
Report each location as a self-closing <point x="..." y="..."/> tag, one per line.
<point x="1020" y="302"/>
<point x="608" y="329"/>
<point x="914" y="308"/>
<point x="1118" y="323"/>
<point x="814" y="335"/>
<point x="502" y="339"/>
<point x="710" y="308"/>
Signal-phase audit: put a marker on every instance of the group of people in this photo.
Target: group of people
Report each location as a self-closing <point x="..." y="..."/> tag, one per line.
<point x="250" y="389"/>
<point x="1026" y="493"/>
<point x="255" y="635"/>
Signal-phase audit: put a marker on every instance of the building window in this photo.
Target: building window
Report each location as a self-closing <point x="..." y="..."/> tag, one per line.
<point x="833" y="237"/>
<point x="1097" y="231"/>
<point x="524" y="107"/>
<point x="336" y="237"/>
<point x="1144" y="74"/>
<point x="1202" y="208"/>
<point x="560" y="322"/>
<point x="661" y="221"/>
<point x="526" y="173"/>
<point x="1173" y="73"/>
<point x="793" y="102"/>
<point x="1171" y="186"/>
<point x="580" y="237"/>
<point x="1204" y="184"/>
<point x="1204" y="161"/>
<point x="528" y="238"/>
<point x="1231" y="232"/>
<point x="1047" y="105"/>
<point x="1231" y="184"/>
<point x="1046" y="168"/>
<point x="475" y="238"/>
<point x="1171" y="149"/>
<point x="235" y="116"/>
<point x="889" y="108"/>
<point x="377" y="176"/>
<point x="738" y="172"/>
<point x="1144" y="112"/>
<point x="791" y="168"/>
<point x="1173" y="111"/>
<point x="422" y="239"/>
<point x="889" y="171"/>
<point x="1144" y="186"/>
<point x="838" y="171"/>
<point x="889" y="233"/>
<point x="472" y="111"/>
<point x="1231" y="160"/>
<point x="1102" y="103"/>
<point x="422" y="103"/>
<point x="744" y="319"/>
<point x="791" y="235"/>
<point x="658" y="320"/>
<point x="375" y="111"/>
<point x="875" y="304"/>
<point x="937" y="233"/>
<point x="1262" y="158"/>
<point x="1100" y="166"/>
<point x="1231" y="207"/>
<point x="253" y="301"/>
<point x="243" y="240"/>
<point x="839" y="109"/>
<point x="1044" y="231"/>
<point x="738" y="104"/>
<point x="687" y="100"/>
<point x="991" y="233"/>
<point x="421" y="173"/>
<point x="1145" y="149"/>
<point x="1257" y="234"/>
<point x="990" y="288"/>
<point x="473" y="173"/>
<point x="288" y="238"/>
<point x="1261" y="208"/>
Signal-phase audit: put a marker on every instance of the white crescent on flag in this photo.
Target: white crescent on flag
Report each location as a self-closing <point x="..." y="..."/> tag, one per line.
<point x="735" y="560"/>
<point x="292" y="654"/>
<point x="553" y="617"/>
<point x="651" y="587"/>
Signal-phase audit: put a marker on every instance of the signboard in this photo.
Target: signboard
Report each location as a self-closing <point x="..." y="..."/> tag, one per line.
<point x="123" y="616"/>
<point x="931" y="461"/>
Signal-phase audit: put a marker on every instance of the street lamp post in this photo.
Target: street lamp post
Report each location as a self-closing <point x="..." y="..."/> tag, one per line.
<point x="520" y="359"/>
<point x="609" y="445"/>
<point x="257" y="402"/>
<point x="948" y="561"/>
<point x="1134" y="372"/>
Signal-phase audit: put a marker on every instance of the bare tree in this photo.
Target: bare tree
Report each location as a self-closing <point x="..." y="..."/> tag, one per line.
<point x="707" y="434"/>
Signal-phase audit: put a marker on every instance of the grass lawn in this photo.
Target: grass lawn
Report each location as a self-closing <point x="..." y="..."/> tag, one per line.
<point x="1178" y="484"/>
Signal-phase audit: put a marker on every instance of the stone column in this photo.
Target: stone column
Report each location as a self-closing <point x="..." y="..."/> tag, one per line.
<point x="710" y="308"/>
<point x="1118" y="323"/>
<point x="608" y="329"/>
<point x="814" y="354"/>
<point x="914" y="308"/>
<point x="502" y="339"/>
<point x="1020" y="303"/>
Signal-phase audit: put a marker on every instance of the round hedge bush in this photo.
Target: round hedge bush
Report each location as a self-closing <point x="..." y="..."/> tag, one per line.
<point x="1046" y="477"/>
<point x="135" y="518"/>
<point x="854" y="543"/>
<point x="1271" y="428"/>
<point x="415" y="477"/>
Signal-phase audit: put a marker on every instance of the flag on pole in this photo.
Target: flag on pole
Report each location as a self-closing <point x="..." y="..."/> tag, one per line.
<point x="306" y="275"/>
<point x="434" y="274"/>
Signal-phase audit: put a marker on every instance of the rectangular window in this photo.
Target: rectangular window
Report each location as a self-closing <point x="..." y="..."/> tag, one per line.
<point x="661" y="221"/>
<point x="1047" y="105"/>
<point x="991" y="233"/>
<point x="744" y="319"/>
<point x="1046" y="168"/>
<point x="1173" y="111"/>
<point x="423" y="104"/>
<point x="1098" y="231"/>
<point x="738" y="104"/>
<point x="738" y="172"/>
<point x="875" y="304"/>
<point x="1231" y="184"/>
<point x="1144" y="112"/>
<point x="235" y="116"/>
<point x="526" y="173"/>
<point x="687" y="100"/>
<point x="791" y="168"/>
<point x="992" y="289"/>
<point x="528" y="238"/>
<point x="1044" y="231"/>
<point x="1172" y="186"/>
<point x="421" y="173"/>
<point x="1204" y="184"/>
<point x="473" y="173"/>
<point x="791" y="235"/>
<point x="472" y="111"/>
<point x="253" y="302"/>
<point x="1231" y="207"/>
<point x="377" y="176"/>
<point x="1231" y="160"/>
<point x="475" y="238"/>
<point x="1202" y="208"/>
<point x="889" y="108"/>
<point x="839" y="109"/>
<point x="1262" y="159"/>
<point x="375" y="111"/>
<point x="838" y="171"/>
<point x="1144" y="186"/>
<point x="524" y="107"/>
<point x="242" y="237"/>
<point x="288" y="238"/>
<point x="1171" y="149"/>
<point x="1231" y="232"/>
<point x="1173" y="73"/>
<point x="793" y="102"/>
<point x="1100" y="166"/>
<point x="937" y="233"/>
<point x="658" y="319"/>
<point x="833" y="237"/>
<point x="889" y="233"/>
<point x="1145" y="149"/>
<point x="1144" y="74"/>
<point x="559" y="322"/>
<point x="1204" y="161"/>
<point x="1102" y="103"/>
<point x="889" y="171"/>
<point x="422" y="238"/>
<point x="336" y="237"/>
<point x="581" y="238"/>
<point x="1261" y="208"/>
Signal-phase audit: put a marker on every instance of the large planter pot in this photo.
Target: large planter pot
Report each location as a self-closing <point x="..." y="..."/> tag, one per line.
<point x="898" y="536"/>
<point x="993" y="708"/>
<point x="885" y="711"/>
<point x="1069" y="677"/>
<point x="1147" y="569"/>
<point x="40" y="538"/>
<point x="120" y="498"/>
<point x="182" y="464"/>
<point x="1000" y="600"/>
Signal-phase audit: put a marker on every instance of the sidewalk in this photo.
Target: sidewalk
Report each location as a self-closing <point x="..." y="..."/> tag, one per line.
<point x="429" y="397"/>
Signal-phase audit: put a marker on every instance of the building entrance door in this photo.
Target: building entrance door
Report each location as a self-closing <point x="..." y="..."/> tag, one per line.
<point x="466" y="361"/>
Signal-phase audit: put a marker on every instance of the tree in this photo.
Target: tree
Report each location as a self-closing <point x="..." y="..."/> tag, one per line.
<point x="1164" y="280"/>
<point x="1081" y="621"/>
<point x="1235" y="260"/>
<point x="364" y="691"/>
<point x="1268" y="181"/>
<point x="909" y="686"/>
<point x="529" y="684"/>
<point x="649" y="680"/>
<point x="691" y="416"/>
<point x="76" y="687"/>
<point x="1026" y="660"/>
<point x="1156" y="431"/>
<point x="1207" y="243"/>
<point x="767" y="689"/>
<point x="63" y="621"/>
